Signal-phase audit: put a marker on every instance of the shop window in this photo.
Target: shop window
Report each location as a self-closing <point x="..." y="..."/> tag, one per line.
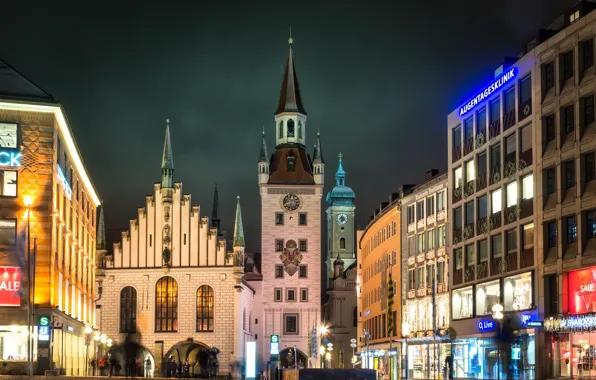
<point x="517" y="292"/>
<point x="462" y="303"/>
<point x="496" y="201"/>
<point x="205" y="309"/>
<point x="487" y="295"/>
<point x="8" y="231"/>
<point x="8" y="183"/>
<point x="166" y="304"/>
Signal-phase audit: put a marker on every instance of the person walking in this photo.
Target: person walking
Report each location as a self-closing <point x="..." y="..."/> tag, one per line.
<point x="148" y="367"/>
<point x="186" y="370"/>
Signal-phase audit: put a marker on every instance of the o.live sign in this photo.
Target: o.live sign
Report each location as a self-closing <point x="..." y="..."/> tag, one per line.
<point x="503" y="79"/>
<point x="10" y="286"/>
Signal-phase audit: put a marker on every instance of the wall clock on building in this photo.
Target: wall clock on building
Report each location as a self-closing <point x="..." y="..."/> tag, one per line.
<point x="342" y="219"/>
<point x="291" y="202"/>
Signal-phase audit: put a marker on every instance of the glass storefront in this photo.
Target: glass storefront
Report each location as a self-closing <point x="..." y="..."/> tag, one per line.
<point x="578" y="354"/>
<point x="427" y="360"/>
<point x="13" y="343"/>
<point x="488" y="358"/>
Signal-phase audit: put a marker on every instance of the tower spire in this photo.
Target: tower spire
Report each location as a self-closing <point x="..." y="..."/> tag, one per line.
<point x="289" y="96"/>
<point x="263" y="154"/>
<point x="101" y="231"/>
<point x="238" y="229"/>
<point x="167" y="161"/>
<point x="318" y="154"/>
<point x="215" y="221"/>
<point x="340" y="175"/>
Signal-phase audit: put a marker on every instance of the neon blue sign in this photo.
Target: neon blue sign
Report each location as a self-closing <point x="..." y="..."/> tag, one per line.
<point x="10" y="158"/>
<point x="43" y="333"/>
<point x="64" y="182"/>
<point x="503" y="79"/>
<point x="486" y="325"/>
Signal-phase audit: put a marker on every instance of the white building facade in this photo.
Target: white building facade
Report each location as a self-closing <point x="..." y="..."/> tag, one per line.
<point x="291" y="188"/>
<point x="171" y="281"/>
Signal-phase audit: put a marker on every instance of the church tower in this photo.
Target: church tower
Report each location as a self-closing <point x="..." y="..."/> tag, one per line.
<point x="291" y="190"/>
<point x="340" y="223"/>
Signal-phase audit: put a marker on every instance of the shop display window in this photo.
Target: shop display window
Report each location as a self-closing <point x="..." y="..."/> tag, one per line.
<point x="463" y="303"/>
<point x="14" y="343"/>
<point x="488" y="294"/>
<point x="517" y="292"/>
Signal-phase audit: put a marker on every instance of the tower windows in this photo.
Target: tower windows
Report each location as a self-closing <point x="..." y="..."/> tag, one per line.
<point x="342" y="243"/>
<point x="299" y="129"/>
<point x="281" y="129"/>
<point x="291" y="128"/>
<point x="302" y="219"/>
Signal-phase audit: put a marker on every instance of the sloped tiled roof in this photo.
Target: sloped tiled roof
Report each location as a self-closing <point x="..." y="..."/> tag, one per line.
<point x="16" y="86"/>
<point x="302" y="174"/>
<point x="290" y="99"/>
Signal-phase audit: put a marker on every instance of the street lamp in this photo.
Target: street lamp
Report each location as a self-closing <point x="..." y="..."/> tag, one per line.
<point x="353" y="345"/>
<point x="323" y="330"/>
<point x="498" y="315"/>
<point x="405" y="330"/>
<point x="28" y="201"/>
<point x="328" y="355"/>
<point x="322" y="354"/>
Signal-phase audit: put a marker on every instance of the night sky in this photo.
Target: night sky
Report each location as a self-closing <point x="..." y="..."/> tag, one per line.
<point x="377" y="78"/>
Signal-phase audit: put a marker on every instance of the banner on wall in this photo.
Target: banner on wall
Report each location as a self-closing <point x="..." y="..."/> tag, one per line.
<point x="582" y="291"/>
<point x="10" y="286"/>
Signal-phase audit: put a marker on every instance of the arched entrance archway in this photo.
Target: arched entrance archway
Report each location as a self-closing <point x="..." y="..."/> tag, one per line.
<point x="289" y="357"/>
<point x="200" y="357"/>
<point x="116" y="359"/>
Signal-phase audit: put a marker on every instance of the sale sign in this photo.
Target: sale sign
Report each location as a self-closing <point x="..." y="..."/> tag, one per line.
<point x="10" y="286"/>
<point x="582" y="291"/>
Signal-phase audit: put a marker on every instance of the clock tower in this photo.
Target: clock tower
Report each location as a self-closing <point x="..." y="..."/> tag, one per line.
<point x="291" y="190"/>
<point x="340" y="223"/>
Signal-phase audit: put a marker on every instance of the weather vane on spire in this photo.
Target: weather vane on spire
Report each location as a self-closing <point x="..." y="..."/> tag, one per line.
<point x="290" y="40"/>
<point x="340" y="156"/>
<point x="168" y="121"/>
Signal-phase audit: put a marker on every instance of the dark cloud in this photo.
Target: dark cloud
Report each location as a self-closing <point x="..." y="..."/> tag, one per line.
<point x="378" y="79"/>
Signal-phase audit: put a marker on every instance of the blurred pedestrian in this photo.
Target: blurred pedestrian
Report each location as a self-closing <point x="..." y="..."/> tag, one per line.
<point x="180" y="369"/>
<point x="131" y="353"/>
<point x="148" y="367"/>
<point x="186" y="370"/>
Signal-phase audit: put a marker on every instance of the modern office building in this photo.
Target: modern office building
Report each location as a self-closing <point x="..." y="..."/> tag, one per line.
<point x="424" y="276"/>
<point x="494" y="264"/>
<point x="47" y="233"/>
<point x="378" y="260"/>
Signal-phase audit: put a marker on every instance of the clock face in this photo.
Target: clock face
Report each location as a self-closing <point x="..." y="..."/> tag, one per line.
<point x="342" y="219"/>
<point x="291" y="202"/>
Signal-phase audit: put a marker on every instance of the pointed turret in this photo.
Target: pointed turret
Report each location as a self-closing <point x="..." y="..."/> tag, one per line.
<point x="340" y="175"/>
<point x="318" y="163"/>
<point x="167" y="161"/>
<point x="340" y="194"/>
<point x="238" y="229"/>
<point x="317" y="156"/>
<point x="290" y="99"/>
<point x="263" y="163"/>
<point x="215" y="220"/>
<point x="263" y="154"/>
<point x="101" y="232"/>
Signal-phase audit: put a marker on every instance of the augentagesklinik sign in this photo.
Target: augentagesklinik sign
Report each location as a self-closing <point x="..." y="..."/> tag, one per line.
<point x="503" y="79"/>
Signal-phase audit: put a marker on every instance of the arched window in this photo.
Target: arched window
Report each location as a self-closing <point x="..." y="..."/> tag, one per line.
<point x="299" y="129"/>
<point x="205" y="302"/>
<point x="128" y="310"/>
<point x="281" y="129"/>
<point x="166" y="304"/>
<point x="291" y="128"/>
<point x="355" y="317"/>
<point x="342" y="243"/>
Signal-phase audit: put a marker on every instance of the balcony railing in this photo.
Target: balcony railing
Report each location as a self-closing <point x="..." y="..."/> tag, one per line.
<point x="495" y="174"/>
<point x="494" y="129"/>
<point x="482" y="270"/>
<point x="468" y="145"/>
<point x="458" y="276"/>
<point x="509" y="120"/>
<point x="481" y="181"/>
<point x="457" y="194"/>
<point x="456" y="153"/>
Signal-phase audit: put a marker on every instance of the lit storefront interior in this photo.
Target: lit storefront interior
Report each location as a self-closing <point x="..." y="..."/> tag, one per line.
<point x="573" y="335"/>
<point x="477" y="353"/>
<point x="13" y="343"/>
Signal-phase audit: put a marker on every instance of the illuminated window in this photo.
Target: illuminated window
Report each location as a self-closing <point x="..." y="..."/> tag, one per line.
<point x="496" y="201"/>
<point x="511" y="194"/>
<point x="517" y="292"/>
<point x="166" y="304"/>
<point x="128" y="310"/>
<point x="528" y="236"/>
<point x="462" y="303"/>
<point x="205" y="308"/>
<point x="574" y="17"/>
<point x="528" y="186"/>
<point x="458" y="177"/>
<point x="8" y="183"/>
<point x="8" y="231"/>
<point x="470" y="173"/>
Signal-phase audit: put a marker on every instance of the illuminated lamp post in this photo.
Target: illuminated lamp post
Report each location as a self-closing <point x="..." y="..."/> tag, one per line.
<point x="498" y="315"/>
<point x="322" y="354"/>
<point x="28" y="201"/>
<point x="88" y="331"/>
<point x="329" y="349"/>
<point x="96" y="338"/>
<point x="323" y="330"/>
<point x="405" y="330"/>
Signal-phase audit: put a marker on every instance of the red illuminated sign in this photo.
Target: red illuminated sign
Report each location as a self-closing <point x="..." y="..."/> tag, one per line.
<point x="582" y="291"/>
<point x="10" y="286"/>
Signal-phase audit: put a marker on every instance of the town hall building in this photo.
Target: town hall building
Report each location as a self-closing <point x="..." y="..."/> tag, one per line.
<point x="173" y="282"/>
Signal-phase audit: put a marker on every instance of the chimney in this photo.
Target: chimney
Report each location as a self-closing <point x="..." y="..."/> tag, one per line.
<point x="430" y="174"/>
